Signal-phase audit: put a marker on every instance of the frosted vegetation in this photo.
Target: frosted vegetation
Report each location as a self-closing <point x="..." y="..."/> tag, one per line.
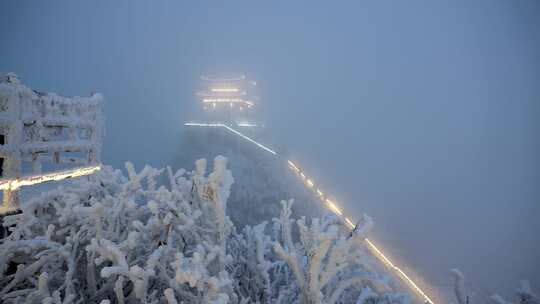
<point x="524" y="294"/>
<point x="261" y="180"/>
<point x="126" y="239"/>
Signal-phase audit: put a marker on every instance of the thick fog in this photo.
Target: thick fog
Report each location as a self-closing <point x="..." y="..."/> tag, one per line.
<point x="423" y="114"/>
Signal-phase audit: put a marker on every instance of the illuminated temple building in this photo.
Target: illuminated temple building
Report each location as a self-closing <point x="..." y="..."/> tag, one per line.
<point x="228" y="99"/>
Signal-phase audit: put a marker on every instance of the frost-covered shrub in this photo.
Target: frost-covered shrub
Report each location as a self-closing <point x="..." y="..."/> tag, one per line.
<point x="524" y="294"/>
<point x="124" y="239"/>
<point x="118" y="239"/>
<point x="326" y="262"/>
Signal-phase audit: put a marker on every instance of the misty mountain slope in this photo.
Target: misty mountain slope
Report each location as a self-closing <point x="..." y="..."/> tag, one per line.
<point x="261" y="180"/>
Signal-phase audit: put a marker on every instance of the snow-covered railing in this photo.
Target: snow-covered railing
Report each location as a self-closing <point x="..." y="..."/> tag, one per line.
<point x="332" y="206"/>
<point x="64" y="132"/>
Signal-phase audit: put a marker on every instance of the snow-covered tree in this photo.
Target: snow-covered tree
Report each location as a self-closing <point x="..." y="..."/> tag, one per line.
<point x="127" y="239"/>
<point x="122" y="238"/>
<point x="250" y="266"/>
<point x="524" y="294"/>
<point x="326" y="262"/>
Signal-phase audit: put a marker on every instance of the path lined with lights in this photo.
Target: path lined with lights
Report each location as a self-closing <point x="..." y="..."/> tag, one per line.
<point x="332" y="206"/>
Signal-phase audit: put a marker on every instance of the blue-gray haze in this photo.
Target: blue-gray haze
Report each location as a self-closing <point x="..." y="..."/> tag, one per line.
<point x="423" y="114"/>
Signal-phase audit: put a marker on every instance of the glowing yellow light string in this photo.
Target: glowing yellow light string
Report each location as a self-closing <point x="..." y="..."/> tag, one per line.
<point x="207" y="100"/>
<point x="233" y="131"/>
<point x="333" y="207"/>
<point x="13" y="184"/>
<point x="349" y="223"/>
<point x="295" y="168"/>
<point x="245" y="124"/>
<point x="225" y="90"/>
<point x="376" y="251"/>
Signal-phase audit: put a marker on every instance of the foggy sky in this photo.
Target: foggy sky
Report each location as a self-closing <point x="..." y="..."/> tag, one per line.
<point x="423" y="114"/>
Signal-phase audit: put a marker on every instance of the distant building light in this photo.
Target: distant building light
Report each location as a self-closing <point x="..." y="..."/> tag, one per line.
<point x="246" y="124"/>
<point x="206" y="100"/>
<point x="225" y="90"/>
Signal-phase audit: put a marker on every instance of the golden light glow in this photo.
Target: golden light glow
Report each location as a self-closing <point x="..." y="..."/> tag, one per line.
<point x="220" y="125"/>
<point x="245" y="124"/>
<point x="250" y="140"/>
<point x="13" y="184"/>
<point x="374" y="250"/>
<point x="225" y="90"/>
<point x="349" y="223"/>
<point x="293" y="166"/>
<point x="378" y="253"/>
<point x="207" y="100"/>
<point x="231" y="101"/>
<point x="334" y="208"/>
<point x="195" y="124"/>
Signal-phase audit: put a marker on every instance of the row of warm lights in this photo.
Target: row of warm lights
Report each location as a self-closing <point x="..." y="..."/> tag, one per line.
<point x="310" y="184"/>
<point x="251" y="140"/>
<point x="400" y="272"/>
<point x="214" y="106"/>
<point x="223" y="100"/>
<point x="223" y="79"/>
<point x="224" y="90"/>
<point x="332" y="206"/>
<point x="229" y="100"/>
<point x="13" y="184"/>
<point x="377" y="252"/>
<point x="246" y="124"/>
<point x="194" y="124"/>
